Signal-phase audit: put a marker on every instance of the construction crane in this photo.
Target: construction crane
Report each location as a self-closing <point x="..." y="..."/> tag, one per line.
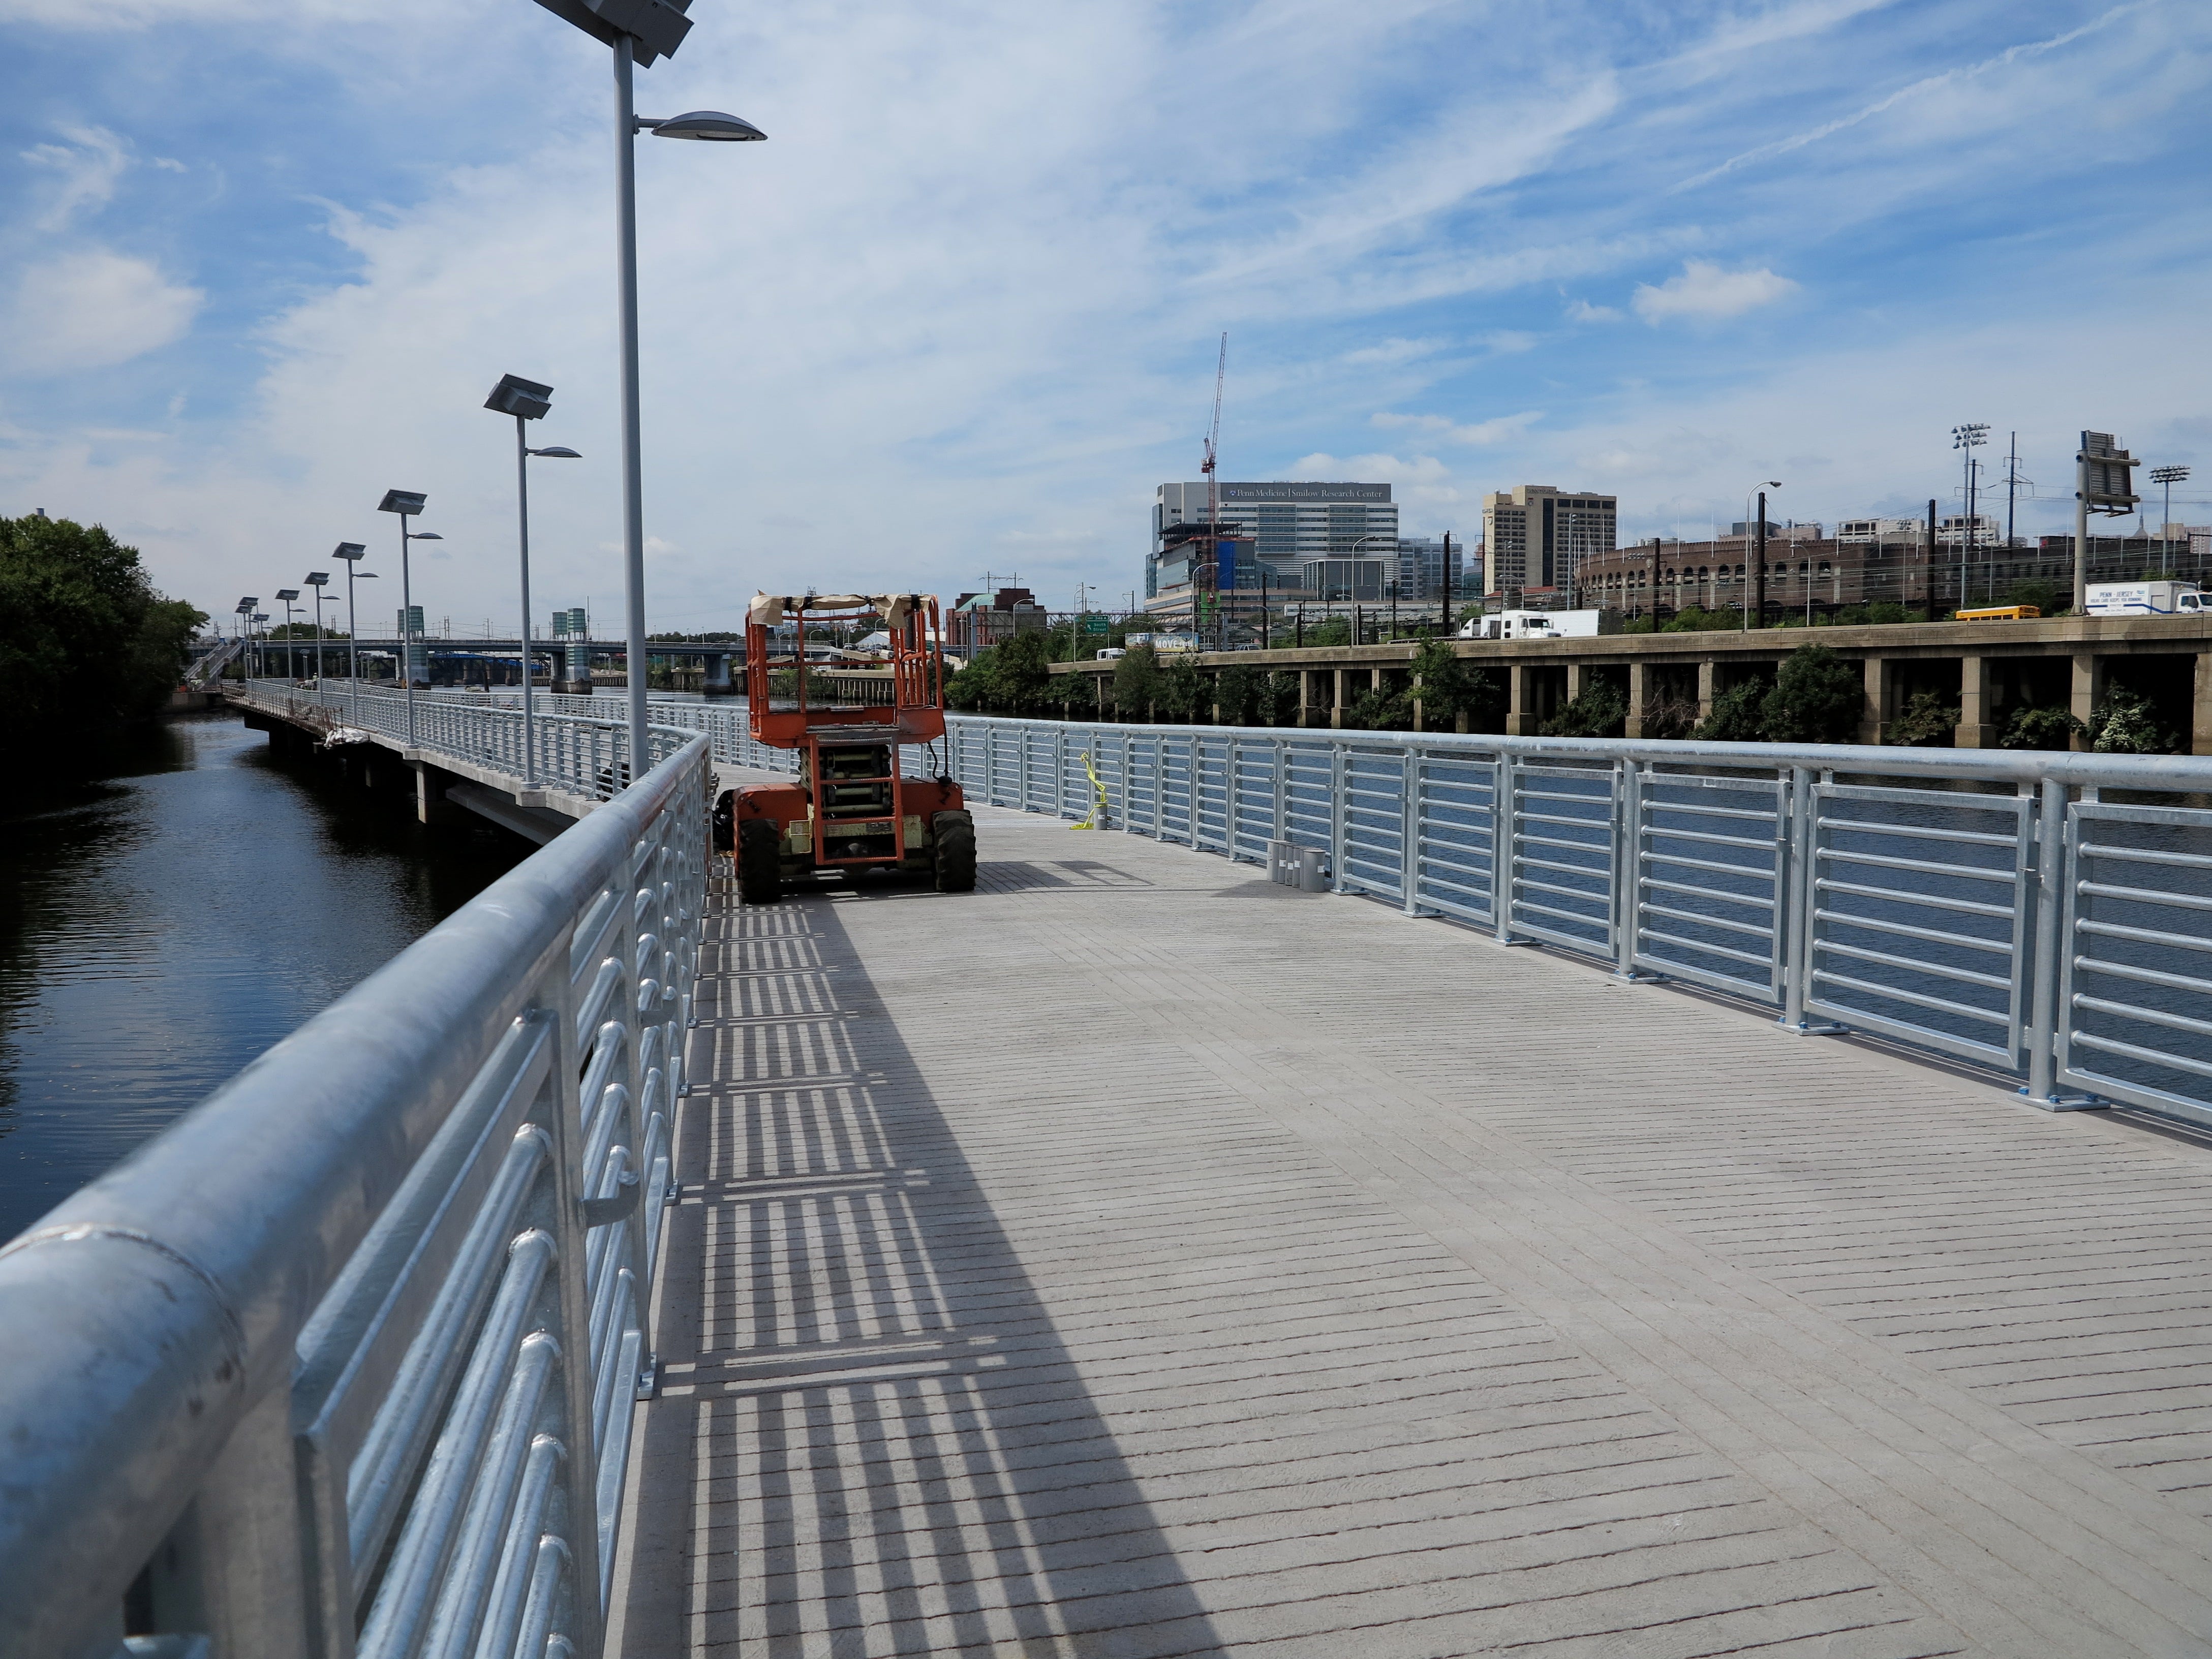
<point x="1212" y="486"/>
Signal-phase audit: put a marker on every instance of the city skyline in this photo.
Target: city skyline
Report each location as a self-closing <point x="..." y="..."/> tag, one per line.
<point x="1664" y="259"/>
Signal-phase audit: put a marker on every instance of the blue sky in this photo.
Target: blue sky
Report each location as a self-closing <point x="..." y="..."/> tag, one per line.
<point x="263" y="260"/>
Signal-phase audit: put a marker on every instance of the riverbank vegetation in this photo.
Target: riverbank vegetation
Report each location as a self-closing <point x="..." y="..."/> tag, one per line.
<point x="87" y="644"/>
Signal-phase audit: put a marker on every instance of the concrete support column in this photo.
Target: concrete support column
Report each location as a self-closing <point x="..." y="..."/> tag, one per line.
<point x="1708" y="685"/>
<point x="1340" y="695"/>
<point x="1880" y="693"/>
<point x="1521" y="720"/>
<point x="1639" y="694"/>
<point x="1577" y="679"/>
<point x="2088" y="687"/>
<point x="1310" y="707"/>
<point x="1976" y="728"/>
<point x="2200" y="715"/>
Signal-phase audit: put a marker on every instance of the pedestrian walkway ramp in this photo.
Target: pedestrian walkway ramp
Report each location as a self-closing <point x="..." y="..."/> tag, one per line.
<point x="1137" y="1258"/>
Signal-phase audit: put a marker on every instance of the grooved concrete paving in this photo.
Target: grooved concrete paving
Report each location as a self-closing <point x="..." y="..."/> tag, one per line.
<point x="1136" y="1258"/>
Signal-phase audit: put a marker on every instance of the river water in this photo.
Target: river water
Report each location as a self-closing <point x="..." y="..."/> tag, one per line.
<point x="172" y="912"/>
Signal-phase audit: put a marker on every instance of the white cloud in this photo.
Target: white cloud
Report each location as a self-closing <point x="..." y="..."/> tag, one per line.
<point x="1499" y="429"/>
<point x="94" y="309"/>
<point x="1581" y="311"/>
<point x="1704" y="290"/>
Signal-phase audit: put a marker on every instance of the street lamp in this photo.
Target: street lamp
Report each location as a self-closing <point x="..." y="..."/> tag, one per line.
<point x="526" y="400"/>
<point x="2169" y="476"/>
<point x="261" y="631"/>
<point x="245" y="627"/>
<point x="291" y="644"/>
<point x="351" y="552"/>
<point x="647" y="29"/>
<point x="318" y="579"/>
<point x="1967" y="439"/>
<point x="408" y="504"/>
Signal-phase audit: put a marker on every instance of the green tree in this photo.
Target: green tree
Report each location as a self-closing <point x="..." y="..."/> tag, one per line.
<point x="1280" y="703"/>
<point x="1736" y="715"/>
<point x="1239" y="691"/>
<point x="2047" y="596"/>
<point x="1449" y="686"/>
<point x="86" y="642"/>
<point x="2126" y="724"/>
<point x="1331" y="630"/>
<point x="1378" y="709"/>
<point x="1137" y="682"/>
<point x="1927" y="722"/>
<point x="2032" y="727"/>
<point x="1600" y="712"/>
<point x="1817" y="698"/>
<point x="1182" y="689"/>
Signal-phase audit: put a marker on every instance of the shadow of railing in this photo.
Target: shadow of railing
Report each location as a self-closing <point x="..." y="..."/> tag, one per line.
<point x="871" y="1437"/>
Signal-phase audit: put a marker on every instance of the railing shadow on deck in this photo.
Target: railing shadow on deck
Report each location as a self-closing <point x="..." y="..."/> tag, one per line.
<point x="870" y="1431"/>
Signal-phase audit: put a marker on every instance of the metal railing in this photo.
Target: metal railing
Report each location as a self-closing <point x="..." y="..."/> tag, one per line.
<point x="1991" y="905"/>
<point x="2046" y="914"/>
<point x="342" y="1363"/>
<point x="584" y="752"/>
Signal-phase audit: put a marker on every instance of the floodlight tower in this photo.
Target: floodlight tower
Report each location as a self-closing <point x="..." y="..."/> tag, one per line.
<point x="2168" y="477"/>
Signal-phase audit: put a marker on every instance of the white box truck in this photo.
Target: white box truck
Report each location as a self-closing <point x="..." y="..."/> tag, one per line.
<point x="2165" y="598"/>
<point x="1531" y="625"/>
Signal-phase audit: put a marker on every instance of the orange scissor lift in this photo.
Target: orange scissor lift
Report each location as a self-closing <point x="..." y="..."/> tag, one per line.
<point x="848" y="811"/>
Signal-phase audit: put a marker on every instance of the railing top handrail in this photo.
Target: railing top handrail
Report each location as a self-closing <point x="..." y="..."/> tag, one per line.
<point x="142" y="1316"/>
<point x="341" y="690"/>
<point x="2188" y="774"/>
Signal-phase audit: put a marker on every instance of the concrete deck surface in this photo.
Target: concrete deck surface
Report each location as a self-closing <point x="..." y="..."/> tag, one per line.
<point x="1136" y="1258"/>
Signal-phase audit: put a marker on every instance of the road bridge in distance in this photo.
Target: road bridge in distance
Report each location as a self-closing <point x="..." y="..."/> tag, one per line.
<point x="1142" y="1256"/>
<point x="1985" y="670"/>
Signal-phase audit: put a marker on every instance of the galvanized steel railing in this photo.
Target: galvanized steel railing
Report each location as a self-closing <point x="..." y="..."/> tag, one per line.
<point x="2048" y="915"/>
<point x="343" y="1364"/>
<point x="583" y="752"/>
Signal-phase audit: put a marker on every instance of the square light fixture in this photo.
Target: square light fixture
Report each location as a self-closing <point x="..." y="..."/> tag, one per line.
<point x="515" y="396"/>
<point x="405" y="502"/>
<point x="348" y="551"/>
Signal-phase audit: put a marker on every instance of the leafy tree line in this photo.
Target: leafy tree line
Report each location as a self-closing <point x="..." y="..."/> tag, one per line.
<point x="87" y="644"/>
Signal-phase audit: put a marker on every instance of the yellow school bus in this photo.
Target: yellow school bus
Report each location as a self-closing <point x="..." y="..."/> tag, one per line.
<point x="1998" y="613"/>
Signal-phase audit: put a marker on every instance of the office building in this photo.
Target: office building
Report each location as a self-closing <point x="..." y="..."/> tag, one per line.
<point x="1289" y="526"/>
<point x="1534" y="536"/>
<point x="1420" y="570"/>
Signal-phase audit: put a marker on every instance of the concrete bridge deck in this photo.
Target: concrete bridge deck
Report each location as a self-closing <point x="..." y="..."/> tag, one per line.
<point x="1137" y="1258"/>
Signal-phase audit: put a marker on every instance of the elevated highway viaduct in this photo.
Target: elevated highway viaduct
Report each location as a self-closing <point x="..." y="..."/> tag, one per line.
<point x="1987" y="670"/>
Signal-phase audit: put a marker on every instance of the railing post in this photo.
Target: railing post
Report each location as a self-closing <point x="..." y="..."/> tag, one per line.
<point x="1336" y="771"/>
<point x="1280" y="824"/>
<point x="1501" y="808"/>
<point x="1409" y="830"/>
<point x="1804" y="898"/>
<point x="1627" y="862"/>
<point x="2051" y="883"/>
<point x="1159" y="787"/>
<point x="1060" y="772"/>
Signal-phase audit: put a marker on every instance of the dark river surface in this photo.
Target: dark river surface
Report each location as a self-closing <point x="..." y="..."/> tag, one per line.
<point x="172" y="914"/>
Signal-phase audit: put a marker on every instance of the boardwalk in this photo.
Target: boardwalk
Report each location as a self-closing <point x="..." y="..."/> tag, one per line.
<point x="1137" y="1258"/>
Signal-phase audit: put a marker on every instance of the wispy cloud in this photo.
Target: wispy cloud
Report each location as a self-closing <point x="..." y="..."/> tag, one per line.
<point x="1920" y="88"/>
<point x="1442" y="428"/>
<point x="85" y="170"/>
<point x="94" y="309"/>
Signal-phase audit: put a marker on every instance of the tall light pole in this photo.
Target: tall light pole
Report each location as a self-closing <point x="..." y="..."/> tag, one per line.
<point x="291" y="644"/>
<point x="648" y="29"/>
<point x="408" y="504"/>
<point x="526" y="400"/>
<point x="259" y="634"/>
<point x="244" y="626"/>
<point x="318" y="579"/>
<point x="2168" y="477"/>
<point x="351" y="552"/>
<point x="1967" y="439"/>
<point x="1759" y="572"/>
